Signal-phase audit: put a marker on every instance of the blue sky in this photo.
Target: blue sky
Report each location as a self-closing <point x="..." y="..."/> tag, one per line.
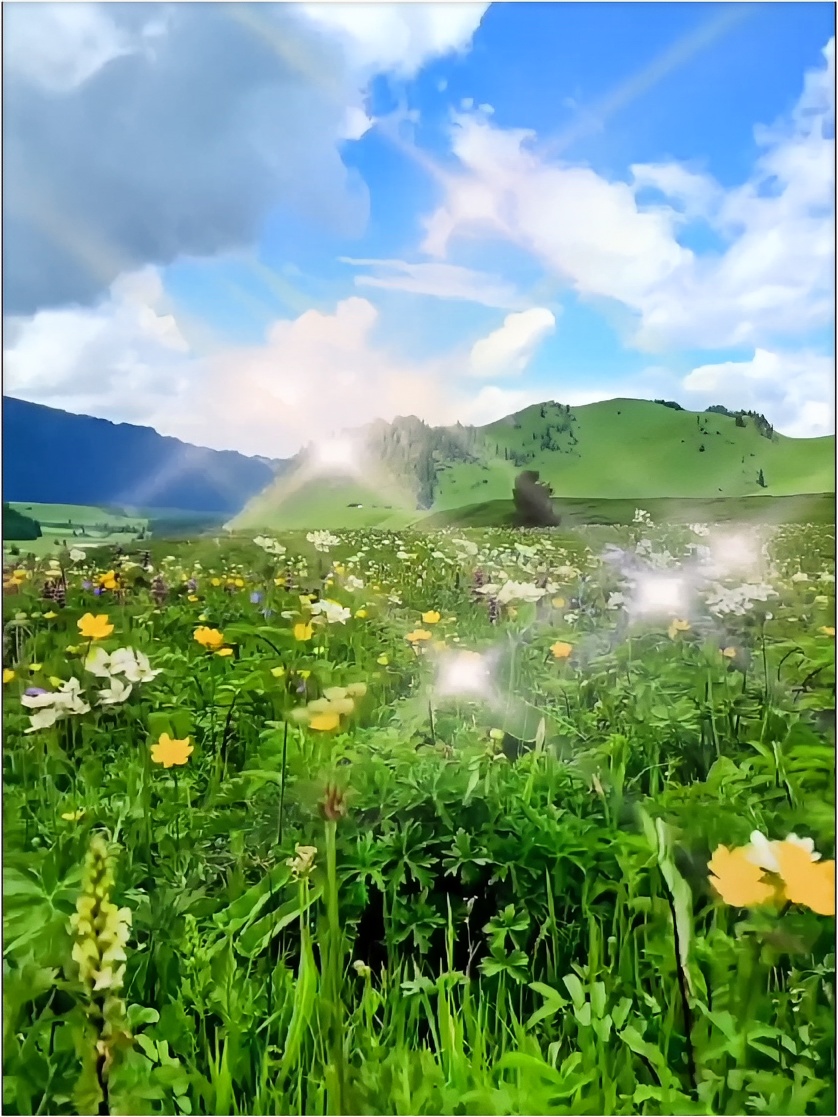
<point x="312" y="215"/>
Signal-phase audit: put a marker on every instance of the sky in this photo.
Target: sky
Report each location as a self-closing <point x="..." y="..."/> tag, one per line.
<point x="253" y="226"/>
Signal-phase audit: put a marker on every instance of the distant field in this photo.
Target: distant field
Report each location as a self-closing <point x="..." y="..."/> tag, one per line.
<point x="96" y="526"/>
<point x="818" y="508"/>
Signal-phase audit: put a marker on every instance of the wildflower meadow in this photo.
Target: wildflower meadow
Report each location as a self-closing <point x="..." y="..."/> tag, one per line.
<point x="485" y="822"/>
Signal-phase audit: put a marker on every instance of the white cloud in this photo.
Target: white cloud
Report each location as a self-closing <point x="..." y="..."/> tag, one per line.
<point x="60" y="46"/>
<point x="795" y="391"/>
<point x="508" y="350"/>
<point x="772" y="279"/>
<point x="441" y="281"/>
<point x="127" y="359"/>
<point x="397" y="38"/>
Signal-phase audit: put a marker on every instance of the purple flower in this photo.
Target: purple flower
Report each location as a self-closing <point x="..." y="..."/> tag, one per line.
<point x="34" y="691"/>
<point x="191" y="585"/>
<point x="98" y="591"/>
<point x="87" y="585"/>
<point x="255" y="598"/>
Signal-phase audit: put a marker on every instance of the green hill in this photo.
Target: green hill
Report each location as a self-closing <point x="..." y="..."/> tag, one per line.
<point x="621" y="449"/>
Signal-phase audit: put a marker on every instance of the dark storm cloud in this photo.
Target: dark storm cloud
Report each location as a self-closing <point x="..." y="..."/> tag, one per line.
<point x="208" y="117"/>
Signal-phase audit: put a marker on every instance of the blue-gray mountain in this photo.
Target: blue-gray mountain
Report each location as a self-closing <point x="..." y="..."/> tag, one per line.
<point x="54" y="457"/>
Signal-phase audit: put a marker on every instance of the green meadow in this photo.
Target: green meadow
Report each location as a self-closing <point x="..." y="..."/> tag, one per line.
<point x="474" y="821"/>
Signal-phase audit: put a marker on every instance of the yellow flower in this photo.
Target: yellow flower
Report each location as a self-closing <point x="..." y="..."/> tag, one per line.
<point x="169" y="752"/>
<point x="224" y="651"/>
<point x="303" y="631"/>
<point x="215" y="581"/>
<point x="277" y="672"/>
<point x="356" y="690"/>
<point x="239" y="582"/>
<point x="73" y="816"/>
<point x="806" y="881"/>
<point x="50" y="616"/>
<point x="95" y="628"/>
<point x="209" y="638"/>
<point x="54" y="681"/>
<point x="108" y="581"/>
<point x="324" y="722"/>
<point x="561" y="649"/>
<point x="360" y="613"/>
<point x="72" y="649"/>
<point x="678" y="626"/>
<point x="192" y="597"/>
<point x="737" y="880"/>
<point x="828" y="630"/>
<point x="304" y="674"/>
<point x="418" y="635"/>
<point x="558" y="603"/>
<point x="383" y="660"/>
<point x="729" y="653"/>
<point x="35" y="667"/>
<point x="8" y="675"/>
<point x="431" y="617"/>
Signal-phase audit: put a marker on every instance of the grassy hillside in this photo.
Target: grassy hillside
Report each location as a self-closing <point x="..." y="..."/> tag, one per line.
<point x="632" y="450"/>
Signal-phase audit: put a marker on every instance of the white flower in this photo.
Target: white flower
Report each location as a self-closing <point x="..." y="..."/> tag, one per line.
<point x="519" y="591"/>
<point x="322" y="540"/>
<point x="331" y="611"/>
<point x="98" y="663"/>
<point x="115" y="694"/>
<point x="77" y="554"/>
<point x="272" y="546"/>
<point x="43" y="719"/>
<point x="616" y="600"/>
<point x="352" y="583"/>
<point x="800" y="577"/>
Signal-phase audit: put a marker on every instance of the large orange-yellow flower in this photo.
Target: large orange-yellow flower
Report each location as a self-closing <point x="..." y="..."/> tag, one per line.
<point x="95" y="628"/>
<point x="431" y="617"/>
<point x="109" y="581"/>
<point x="561" y="649"/>
<point x="209" y="638"/>
<point x="806" y="881"/>
<point x="169" y="752"/>
<point x="325" y="722"/>
<point x="303" y="632"/>
<point x="737" y="880"/>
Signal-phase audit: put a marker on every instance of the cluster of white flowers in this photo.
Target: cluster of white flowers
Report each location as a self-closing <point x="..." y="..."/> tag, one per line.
<point x="699" y="529"/>
<point x="331" y="612"/>
<point x="272" y="546"/>
<point x="722" y="601"/>
<point x="53" y="706"/>
<point x="322" y="540"/>
<point x="641" y="516"/>
<point x="351" y="583"/>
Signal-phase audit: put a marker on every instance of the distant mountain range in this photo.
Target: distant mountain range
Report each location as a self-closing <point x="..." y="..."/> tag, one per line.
<point x="400" y="472"/>
<point x="618" y="449"/>
<point x="54" y="457"/>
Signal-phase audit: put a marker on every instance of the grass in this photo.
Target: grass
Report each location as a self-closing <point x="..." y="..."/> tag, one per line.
<point x="391" y="879"/>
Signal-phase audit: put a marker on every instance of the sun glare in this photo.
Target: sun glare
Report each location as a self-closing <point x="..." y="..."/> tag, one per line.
<point x="463" y="674"/>
<point x="657" y="593"/>
<point x="336" y="453"/>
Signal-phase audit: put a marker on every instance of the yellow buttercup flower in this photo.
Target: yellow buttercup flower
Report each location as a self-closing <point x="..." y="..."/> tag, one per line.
<point x="73" y="816"/>
<point x="277" y="672"/>
<point x="678" y="626"/>
<point x="561" y="649"/>
<point x="192" y="597"/>
<point x="215" y="581"/>
<point x="418" y="635"/>
<point x="383" y="660"/>
<point x="360" y="613"/>
<point x="170" y="752"/>
<point x="558" y="603"/>
<point x="209" y="638"/>
<point x="50" y="616"/>
<point x="8" y="675"/>
<point x="224" y="651"/>
<point x="303" y="632"/>
<point x="729" y="653"/>
<point x="828" y="630"/>
<point x="431" y="617"/>
<point x="35" y="667"/>
<point x="95" y="628"/>
<point x="324" y="722"/>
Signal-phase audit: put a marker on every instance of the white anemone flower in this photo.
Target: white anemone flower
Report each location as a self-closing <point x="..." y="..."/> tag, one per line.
<point x="331" y="611"/>
<point x="117" y="693"/>
<point x="133" y="664"/>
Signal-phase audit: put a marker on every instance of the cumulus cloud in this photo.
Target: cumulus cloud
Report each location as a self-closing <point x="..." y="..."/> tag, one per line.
<point x="137" y="133"/>
<point x="508" y="350"/>
<point x="441" y="281"/>
<point x="128" y="358"/>
<point x="773" y="277"/>
<point x="796" y="391"/>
